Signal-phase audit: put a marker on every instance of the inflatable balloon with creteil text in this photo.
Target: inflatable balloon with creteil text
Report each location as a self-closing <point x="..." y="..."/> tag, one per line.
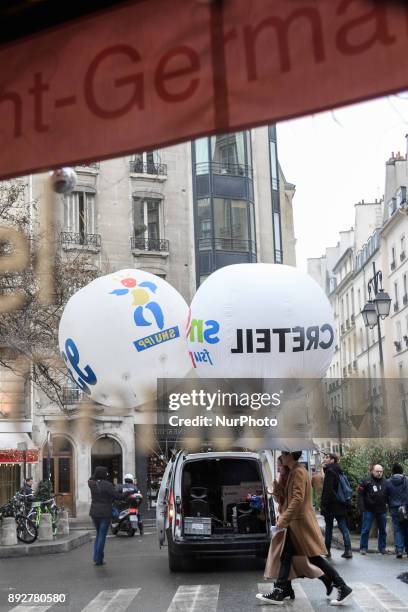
<point x="260" y="321"/>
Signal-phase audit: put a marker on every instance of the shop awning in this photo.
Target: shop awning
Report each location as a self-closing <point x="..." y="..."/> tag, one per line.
<point x="17" y="447"/>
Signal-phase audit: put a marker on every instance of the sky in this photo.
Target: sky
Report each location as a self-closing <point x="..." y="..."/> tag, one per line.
<point x="337" y="159"/>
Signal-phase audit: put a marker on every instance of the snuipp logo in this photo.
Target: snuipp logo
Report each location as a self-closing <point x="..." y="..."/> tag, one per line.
<point x="202" y="331"/>
<point x="147" y="312"/>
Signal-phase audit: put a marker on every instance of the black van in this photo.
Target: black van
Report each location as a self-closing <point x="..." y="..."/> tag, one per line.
<point x="215" y="503"/>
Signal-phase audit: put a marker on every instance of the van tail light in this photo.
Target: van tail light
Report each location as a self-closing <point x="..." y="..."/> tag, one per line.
<point x="171" y="507"/>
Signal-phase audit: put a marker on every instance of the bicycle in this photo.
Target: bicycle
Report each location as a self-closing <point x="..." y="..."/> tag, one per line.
<point x="46" y="506"/>
<point x="26" y="530"/>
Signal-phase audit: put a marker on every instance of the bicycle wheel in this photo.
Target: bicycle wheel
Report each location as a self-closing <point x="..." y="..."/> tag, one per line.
<point x="26" y="530"/>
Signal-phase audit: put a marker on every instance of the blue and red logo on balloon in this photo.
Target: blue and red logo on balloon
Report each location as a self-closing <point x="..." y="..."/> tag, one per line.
<point x="147" y="312"/>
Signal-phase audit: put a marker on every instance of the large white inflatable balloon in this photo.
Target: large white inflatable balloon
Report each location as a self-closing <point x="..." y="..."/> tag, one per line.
<point x="260" y="321"/>
<point x="120" y="333"/>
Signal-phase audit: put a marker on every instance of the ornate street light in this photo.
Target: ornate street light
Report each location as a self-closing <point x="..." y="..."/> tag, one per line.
<point x="369" y="313"/>
<point x="377" y="308"/>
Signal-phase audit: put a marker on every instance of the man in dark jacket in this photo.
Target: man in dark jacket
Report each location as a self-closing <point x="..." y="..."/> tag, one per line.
<point x="103" y="493"/>
<point x="130" y="486"/>
<point x="397" y="495"/>
<point x="331" y="508"/>
<point x="372" y="491"/>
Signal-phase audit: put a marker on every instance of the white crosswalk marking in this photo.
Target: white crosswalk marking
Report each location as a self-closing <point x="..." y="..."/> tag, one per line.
<point x="191" y="598"/>
<point x="111" y="601"/>
<point x="33" y="608"/>
<point x="301" y="603"/>
<point x="373" y="597"/>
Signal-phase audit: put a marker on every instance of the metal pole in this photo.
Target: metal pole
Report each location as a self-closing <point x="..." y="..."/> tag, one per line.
<point x="48" y="456"/>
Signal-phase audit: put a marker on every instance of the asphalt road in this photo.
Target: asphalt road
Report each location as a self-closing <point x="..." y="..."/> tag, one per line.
<point x="136" y="577"/>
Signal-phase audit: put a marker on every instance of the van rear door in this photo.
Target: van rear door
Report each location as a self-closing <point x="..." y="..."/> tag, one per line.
<point x="268" y="471"/>
<point x="162" y="502"/>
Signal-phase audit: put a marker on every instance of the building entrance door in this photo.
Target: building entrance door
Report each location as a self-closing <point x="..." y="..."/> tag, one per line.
<point x="107" y="452"/>
<point x="62" y="476"/>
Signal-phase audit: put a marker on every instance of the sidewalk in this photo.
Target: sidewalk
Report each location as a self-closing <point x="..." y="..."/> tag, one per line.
<point x="58" y="545"/>
<point x="337" y="541"/>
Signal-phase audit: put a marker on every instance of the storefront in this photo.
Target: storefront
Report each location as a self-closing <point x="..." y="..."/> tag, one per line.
<point x="17" y="454"/>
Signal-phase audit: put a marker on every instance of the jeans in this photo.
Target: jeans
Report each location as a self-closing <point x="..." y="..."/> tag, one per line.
<point x="368" y="519"/>
<point x="400" y="532"/>
<point x="342" y="525"/>
<point x="101" y="526"/>
<point x="286" y="560"/>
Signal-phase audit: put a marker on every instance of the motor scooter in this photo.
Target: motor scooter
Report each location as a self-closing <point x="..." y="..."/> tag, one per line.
<point x="126" y="515"/>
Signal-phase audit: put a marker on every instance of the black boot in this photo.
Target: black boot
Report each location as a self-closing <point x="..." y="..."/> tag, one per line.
<point x="328" y="556"/>
<point x="328" y="583"/>
<point x="280" y="592"/>
<point x="347" y="554"/>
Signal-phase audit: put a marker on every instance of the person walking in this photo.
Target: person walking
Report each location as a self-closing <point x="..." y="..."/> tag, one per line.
<point x="302" y="537"/>
<point x="397" y="496"/>
<point x="103" y="493"/>
<point x="372" y="492"/>
<point x="330" y="506"/>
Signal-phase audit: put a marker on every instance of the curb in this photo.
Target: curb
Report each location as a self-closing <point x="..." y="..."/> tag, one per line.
<point x="46" y="548"/>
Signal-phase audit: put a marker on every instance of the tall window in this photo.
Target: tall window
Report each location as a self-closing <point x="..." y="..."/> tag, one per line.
<point x="228" y="152"/>
<point x="79" y="213"/>
<point x="146" y="218"/>
<point x="231" y="222"/>
<point x="403" y="251"/>
<point x="204" y="223"/>
<point x="396" y="293"/>
<point x="405" y="285"/>
<point x="147" y="162"/>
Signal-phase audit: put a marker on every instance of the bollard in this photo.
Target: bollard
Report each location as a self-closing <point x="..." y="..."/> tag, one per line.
<point x="63" y="524"/>
<point x="45" y="528"/>
<point x="8" y="532"/>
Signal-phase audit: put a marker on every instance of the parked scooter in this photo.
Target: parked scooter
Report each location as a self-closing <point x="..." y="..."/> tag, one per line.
<point x="126" y="515"/>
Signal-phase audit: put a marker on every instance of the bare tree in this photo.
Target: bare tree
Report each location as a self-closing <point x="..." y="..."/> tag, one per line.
<point x="29" y="333"/>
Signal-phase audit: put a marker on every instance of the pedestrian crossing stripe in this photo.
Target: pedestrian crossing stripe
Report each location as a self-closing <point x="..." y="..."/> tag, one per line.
<point x="192" y="598"/>
<point x="205" y="598"/>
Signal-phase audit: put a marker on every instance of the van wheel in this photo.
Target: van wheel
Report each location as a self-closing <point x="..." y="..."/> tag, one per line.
<point x="176" y="563"/>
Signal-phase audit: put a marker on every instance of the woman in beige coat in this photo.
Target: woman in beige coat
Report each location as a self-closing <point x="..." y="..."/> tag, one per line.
<point x="302" y="541"/>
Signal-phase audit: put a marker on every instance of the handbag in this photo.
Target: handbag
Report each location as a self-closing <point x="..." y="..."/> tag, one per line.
<point x="402" y="512"/>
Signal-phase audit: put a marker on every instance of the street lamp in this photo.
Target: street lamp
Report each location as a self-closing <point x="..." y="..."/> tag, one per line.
<point x="377" y="308"/>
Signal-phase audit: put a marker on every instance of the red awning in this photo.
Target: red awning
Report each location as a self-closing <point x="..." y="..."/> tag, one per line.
<point x="17" y="447"/>
<point x="151" y="73"/>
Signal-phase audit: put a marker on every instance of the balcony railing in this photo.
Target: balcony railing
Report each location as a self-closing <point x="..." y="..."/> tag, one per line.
<point x="224" y="168"/>
<point x="393" y="265"/>
<point x="149" y="244"/>
<point x="402" y="255"/>
<point x="140" y="167"/>
<point x="79" y="238"/>
<point x="71" y="396"/>
<point x="92" y="165"/>
<point x="396" y="306"/>
<point x="228" y="244"/>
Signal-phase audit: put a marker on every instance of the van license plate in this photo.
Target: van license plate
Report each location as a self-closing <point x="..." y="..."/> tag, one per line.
<point x="197" y="526"/>
<point x="133" y="518"/>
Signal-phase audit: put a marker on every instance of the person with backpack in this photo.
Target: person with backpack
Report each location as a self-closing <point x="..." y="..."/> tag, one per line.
<point x="372" y="492"/>
<point x="336" y="496"/>
<point x="397" y="498"/>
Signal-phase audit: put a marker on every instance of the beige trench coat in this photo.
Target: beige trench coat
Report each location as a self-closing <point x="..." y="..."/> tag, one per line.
<point x="304" y="528"/>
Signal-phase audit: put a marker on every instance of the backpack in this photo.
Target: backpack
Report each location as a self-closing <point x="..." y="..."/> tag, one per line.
<point x="344" y="491"/>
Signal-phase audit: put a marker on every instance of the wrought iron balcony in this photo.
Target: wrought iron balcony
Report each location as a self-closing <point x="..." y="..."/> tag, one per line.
<point x="140" y="167"/>
<point x="79" y="238"/>
<point x="71" y="396"/>
<point x="149" y="244"/>
<point x="91" y="165"/>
